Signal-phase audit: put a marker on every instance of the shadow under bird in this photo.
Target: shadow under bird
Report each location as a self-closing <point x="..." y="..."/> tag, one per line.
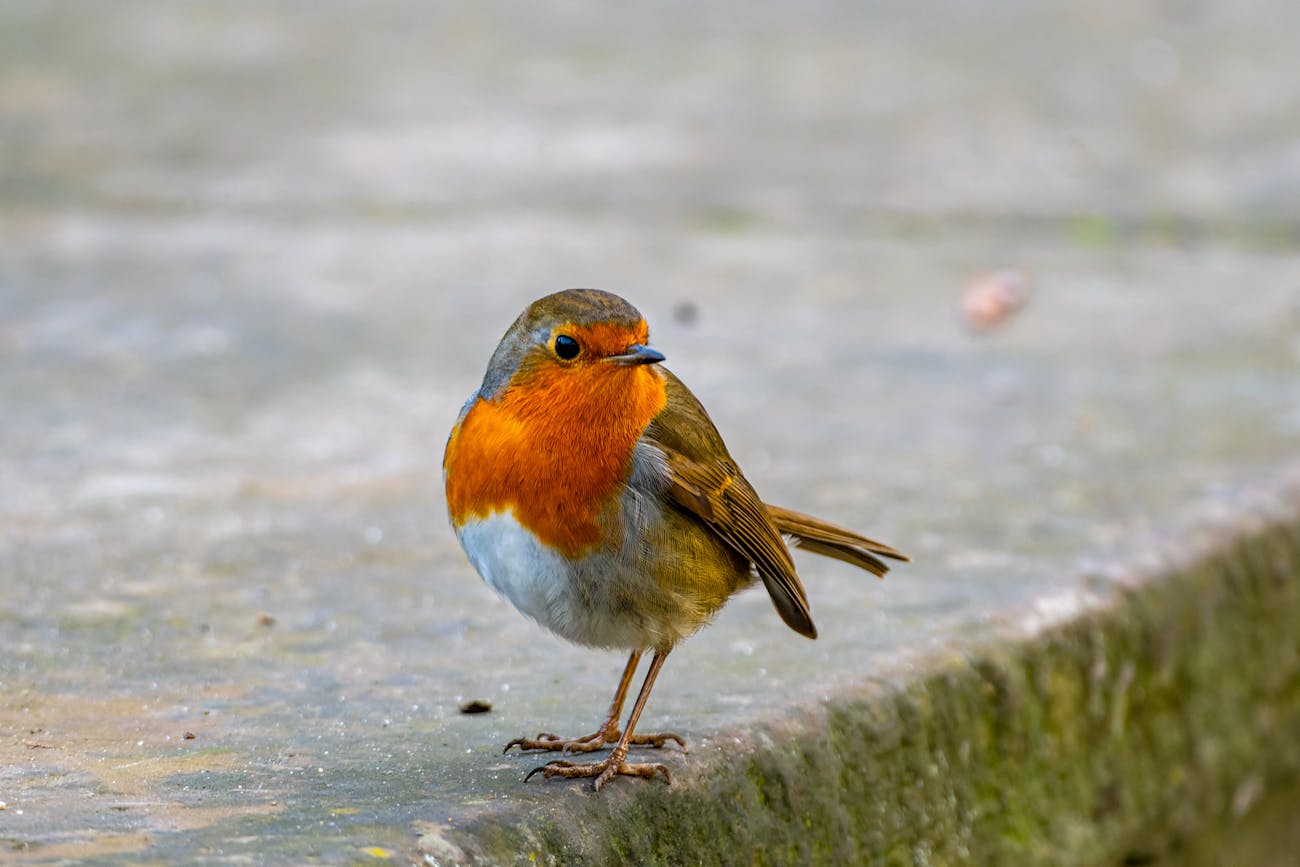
<point x="589" y="487"/>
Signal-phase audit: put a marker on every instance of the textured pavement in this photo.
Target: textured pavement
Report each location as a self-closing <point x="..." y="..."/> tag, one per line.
<point x="253" y="258"/>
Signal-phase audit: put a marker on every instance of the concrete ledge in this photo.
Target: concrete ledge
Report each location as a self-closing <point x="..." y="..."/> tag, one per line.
<point x="1170" y="704"/>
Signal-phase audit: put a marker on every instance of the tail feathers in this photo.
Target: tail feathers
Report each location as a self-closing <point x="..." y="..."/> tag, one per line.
<point x="816" y="535"/>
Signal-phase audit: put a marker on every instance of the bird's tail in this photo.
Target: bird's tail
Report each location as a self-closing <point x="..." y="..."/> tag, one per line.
<point x="814" y="534"/>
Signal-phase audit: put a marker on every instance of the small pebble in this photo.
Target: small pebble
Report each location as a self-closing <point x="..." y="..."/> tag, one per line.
<point x="991" y="300"/>
<point x="265" y="619"/>
<point x="476" y="705"/>
<point x="189" y="736"/>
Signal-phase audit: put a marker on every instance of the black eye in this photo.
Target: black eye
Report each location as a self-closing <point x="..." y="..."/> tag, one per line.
<point x="566" y="347"/>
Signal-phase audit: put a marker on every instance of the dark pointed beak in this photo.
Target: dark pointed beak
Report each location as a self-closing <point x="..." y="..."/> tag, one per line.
<point x="638" y="354"/>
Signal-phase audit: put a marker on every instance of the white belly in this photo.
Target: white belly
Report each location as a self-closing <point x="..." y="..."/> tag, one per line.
<point x="586" y="602"/>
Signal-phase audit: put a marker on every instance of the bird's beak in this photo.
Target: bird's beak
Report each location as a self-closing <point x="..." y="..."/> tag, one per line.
<point x="638" y="354"/>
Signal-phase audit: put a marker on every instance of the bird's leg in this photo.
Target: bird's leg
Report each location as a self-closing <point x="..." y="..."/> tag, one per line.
<point x="615" y="764"/>
<point x="608" y="732"/>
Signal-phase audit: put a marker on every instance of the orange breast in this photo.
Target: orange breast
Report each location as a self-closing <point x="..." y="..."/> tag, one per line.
<point x="555" y="450"/>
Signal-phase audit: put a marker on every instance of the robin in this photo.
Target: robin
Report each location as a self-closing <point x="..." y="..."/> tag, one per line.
<point x="589" y="487"/>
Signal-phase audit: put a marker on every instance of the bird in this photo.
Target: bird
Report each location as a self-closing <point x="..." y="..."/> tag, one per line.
<point x="589" y="487"/>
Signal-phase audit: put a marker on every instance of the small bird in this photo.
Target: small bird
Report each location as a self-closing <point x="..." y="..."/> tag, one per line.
<point x="589" y="487"/>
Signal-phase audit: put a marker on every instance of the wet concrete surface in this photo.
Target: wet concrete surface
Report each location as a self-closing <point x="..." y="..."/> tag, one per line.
<point x="254" y="258"/>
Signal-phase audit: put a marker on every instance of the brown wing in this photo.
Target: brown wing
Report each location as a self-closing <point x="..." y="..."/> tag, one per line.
<point x="703" y="480"/>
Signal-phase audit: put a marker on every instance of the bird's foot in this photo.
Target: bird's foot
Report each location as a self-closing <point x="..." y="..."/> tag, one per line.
<point x="555" y="743"/>
<point x="603" y="771"/>
<point x="593" y="741"/>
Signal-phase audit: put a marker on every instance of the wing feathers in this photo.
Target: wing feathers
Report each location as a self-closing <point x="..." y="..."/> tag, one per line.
<point x="701" y="479"/>
<point x="724" y="501"/>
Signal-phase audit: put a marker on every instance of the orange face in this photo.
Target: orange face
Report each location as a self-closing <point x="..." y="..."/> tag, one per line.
<point x="555" y="446"/>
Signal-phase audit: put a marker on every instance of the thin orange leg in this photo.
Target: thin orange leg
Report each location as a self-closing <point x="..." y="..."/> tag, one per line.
<point x="616" y="763"/>
<point x="608" y="732"/>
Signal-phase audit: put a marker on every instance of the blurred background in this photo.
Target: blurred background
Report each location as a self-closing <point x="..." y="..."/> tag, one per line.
<point x="1013" y="286"/>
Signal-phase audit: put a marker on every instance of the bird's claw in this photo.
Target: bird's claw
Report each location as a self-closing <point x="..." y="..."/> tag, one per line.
<point x="564" y="746"/>
<point x="591" y="742"/>
<point x="603" y="771"/>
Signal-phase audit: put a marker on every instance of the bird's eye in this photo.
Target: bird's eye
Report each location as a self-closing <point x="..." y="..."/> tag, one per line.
<point x="566" y="347"/>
